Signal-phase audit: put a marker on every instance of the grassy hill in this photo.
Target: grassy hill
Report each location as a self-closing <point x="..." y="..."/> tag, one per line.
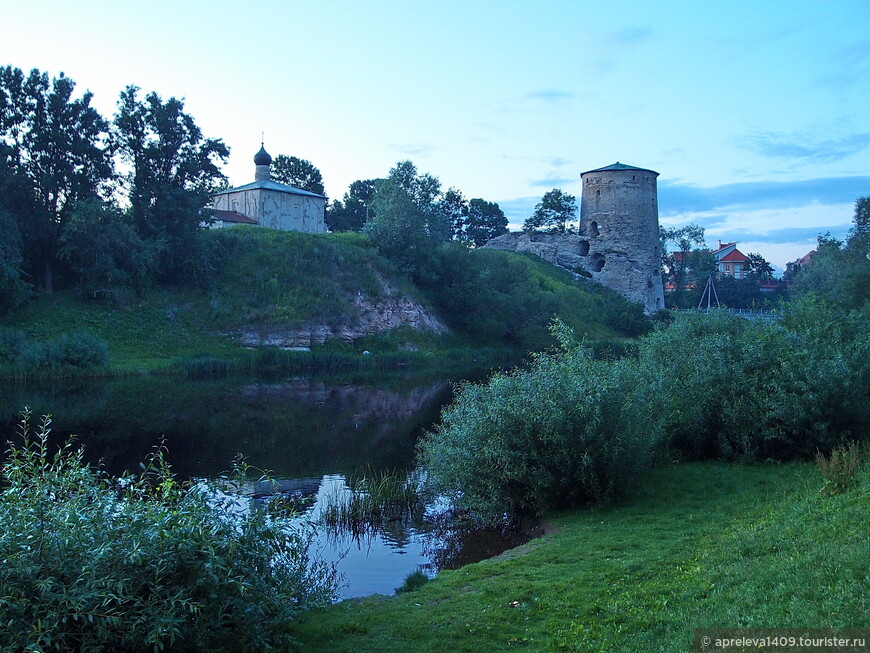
<point x="267" y="279"/>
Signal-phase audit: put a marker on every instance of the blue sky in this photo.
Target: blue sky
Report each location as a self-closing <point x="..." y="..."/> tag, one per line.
<point x="754" y="112"/>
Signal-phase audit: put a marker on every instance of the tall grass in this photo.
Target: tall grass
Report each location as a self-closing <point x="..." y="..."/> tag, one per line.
<point x="372" y="499"/>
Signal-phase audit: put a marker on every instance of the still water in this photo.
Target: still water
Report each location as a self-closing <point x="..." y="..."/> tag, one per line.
<point x="311" y="433"/>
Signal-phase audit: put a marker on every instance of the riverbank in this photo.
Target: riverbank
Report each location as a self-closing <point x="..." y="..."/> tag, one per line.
<point x="701" y="545"/>
<point x="286" y="301"/>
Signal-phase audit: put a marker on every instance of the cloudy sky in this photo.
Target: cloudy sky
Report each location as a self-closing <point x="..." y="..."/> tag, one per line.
<point x="756" y="113"/>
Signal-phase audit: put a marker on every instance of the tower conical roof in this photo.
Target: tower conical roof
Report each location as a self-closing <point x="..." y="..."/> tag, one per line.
<point x="619" y="166"/>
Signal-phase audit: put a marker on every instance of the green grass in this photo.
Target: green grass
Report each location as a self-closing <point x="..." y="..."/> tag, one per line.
<point x="703" y="545"/>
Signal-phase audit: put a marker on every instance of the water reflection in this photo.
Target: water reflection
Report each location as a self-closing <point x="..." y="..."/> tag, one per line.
<point x="311" y="433"/>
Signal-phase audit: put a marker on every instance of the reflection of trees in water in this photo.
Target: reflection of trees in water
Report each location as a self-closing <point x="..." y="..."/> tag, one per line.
<point x="294" y="427"/>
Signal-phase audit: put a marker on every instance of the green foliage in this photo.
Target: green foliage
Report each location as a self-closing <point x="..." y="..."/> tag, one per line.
<point x="173" y="172"/>
<point x="492" y="295"/>
<point x="566" y="430"/>
<point x="407" y="227"/>
<point x="298" y="173"/>
<point x="14" y="290"/>
<point x="754" y="390"/>
<point x="352" y="213"/>
<point x="485" y="221"/>
<point x="686" y="265"/>
<point x="69" y="353"/>
<point x="142" y="563"/>
<point x="105" y="252"/>
<point x="555" y="212"/>
<point x="839" y="469"/>
<point x="413" y="581"/>
<point x="54" y="154"/>
<point x="569" y="429"/>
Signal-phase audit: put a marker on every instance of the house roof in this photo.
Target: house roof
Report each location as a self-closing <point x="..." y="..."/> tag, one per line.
<point x="734" y="256"/>
<point x="232" y="216"/>
<point x="619" y="166"/>
<point x="268" y="184"/>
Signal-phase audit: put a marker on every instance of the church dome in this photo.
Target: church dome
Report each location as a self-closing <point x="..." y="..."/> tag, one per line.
<point x="262" y="157"/>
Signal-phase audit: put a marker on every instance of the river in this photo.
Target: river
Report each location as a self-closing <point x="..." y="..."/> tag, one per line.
<point x="312" y="433"/>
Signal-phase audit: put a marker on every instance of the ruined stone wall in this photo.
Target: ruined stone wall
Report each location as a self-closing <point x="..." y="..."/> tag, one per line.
<point x="619" y="220"/>
<point x="618" y="240"/>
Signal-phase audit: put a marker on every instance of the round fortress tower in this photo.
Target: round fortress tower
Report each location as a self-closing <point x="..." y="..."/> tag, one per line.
<point x="619" y="224"/>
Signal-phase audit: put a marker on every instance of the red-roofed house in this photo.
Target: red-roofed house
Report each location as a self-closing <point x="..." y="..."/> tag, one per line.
<point x="730" y="261"/>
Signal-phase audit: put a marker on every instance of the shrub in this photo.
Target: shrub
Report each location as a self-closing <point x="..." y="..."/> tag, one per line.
<point x="839" y="470"/>
<point x="13" y="344"/>
<point x="76" y="351"/>
<point x="142" y="563"/>
<point x="567" y="430"/>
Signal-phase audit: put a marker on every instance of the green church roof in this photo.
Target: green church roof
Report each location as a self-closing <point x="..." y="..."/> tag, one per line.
<point x="619" y="166"/>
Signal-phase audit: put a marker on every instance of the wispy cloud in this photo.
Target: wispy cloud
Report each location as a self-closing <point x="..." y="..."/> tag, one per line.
<point x="627" y="36"/>
<point x="550" y="95"/>
<point x="800" y="147"/>
<point x="551" y="181"/>
<point x="413" y="149"/>
<point x="676" y="198"/>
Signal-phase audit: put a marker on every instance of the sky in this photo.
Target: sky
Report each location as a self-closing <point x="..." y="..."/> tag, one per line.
<point x="755" y="113"/>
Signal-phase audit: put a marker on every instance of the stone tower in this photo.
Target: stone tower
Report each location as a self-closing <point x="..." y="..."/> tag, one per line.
<point x="619" y="232"/>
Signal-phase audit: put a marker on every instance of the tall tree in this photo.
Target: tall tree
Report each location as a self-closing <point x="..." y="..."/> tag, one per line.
<point x="554" y="213"/>
<point x="13" y="288"/>
<point x="298" y="173"/>
<point x="454" y="206"/>
<point x="686" y="264"/>
<point x="758" y="267"/>
<point x="57" y="143"/>
<point x="173" y="171"/>
<point x="406" y="223"/>
<point x="485" y="221"/>
<point x="352" y="212"/>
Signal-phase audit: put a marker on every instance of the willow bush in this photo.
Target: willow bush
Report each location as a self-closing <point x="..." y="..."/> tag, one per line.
<point x="565" y="430"/>
<point x="568" y="429"/>
<point x="142" y="563"/>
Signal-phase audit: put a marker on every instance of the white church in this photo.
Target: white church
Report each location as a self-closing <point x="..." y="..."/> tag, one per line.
<point x="270" y="204"/>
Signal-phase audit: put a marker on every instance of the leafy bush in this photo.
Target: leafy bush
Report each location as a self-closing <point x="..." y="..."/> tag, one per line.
<point x="78" y="351"/>
<point x="754" y="390"/>
<point x="142" y="563"/>
<point x="568" y="429"/>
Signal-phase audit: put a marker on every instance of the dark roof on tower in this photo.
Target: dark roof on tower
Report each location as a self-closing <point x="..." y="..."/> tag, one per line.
<point x="619" y="166"/>
<point x="262" y="157"/>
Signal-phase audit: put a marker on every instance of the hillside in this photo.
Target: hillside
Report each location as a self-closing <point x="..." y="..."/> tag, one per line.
<point x="332" y="292"/>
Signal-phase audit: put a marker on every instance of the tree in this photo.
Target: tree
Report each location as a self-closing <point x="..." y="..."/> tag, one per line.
<point x="173" y="172"/>
<point x="13" y="288"/>
<point x="555" y="213"/>
<point x="58" y="145"/>
<point x="105" y="252"/>
<point x="485" y="221"/>
<point x="684" y="265"/>
<point x="423" y="189"/>
<point x="840" y="272"/>
<point x="759" y="268"/>
<point x="454" y="206"/>
<point x="406" y="230"/>
<point x="298" y="173"/>
<point x="352" y="213"/>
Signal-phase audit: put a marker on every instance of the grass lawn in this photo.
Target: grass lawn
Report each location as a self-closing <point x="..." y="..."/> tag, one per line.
<point x="698" y="546"/>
